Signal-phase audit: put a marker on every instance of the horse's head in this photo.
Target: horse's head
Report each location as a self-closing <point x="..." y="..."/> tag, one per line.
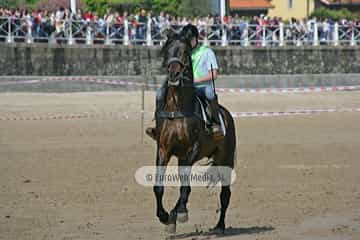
<point x="177" y="59"/>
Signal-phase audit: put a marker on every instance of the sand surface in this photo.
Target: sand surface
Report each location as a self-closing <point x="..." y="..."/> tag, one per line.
<point x="297" y="176"/>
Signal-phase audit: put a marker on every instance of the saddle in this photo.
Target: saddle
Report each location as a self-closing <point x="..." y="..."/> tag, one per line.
<point x="203" y="111"/>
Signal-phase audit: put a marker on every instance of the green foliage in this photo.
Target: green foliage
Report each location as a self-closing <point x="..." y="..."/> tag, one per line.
<point x="99" y="6"/>
<point x="7" y="3"/>
<point x="165" y="5"/>
<point x="31" y="1"/>
<point x="344" y="13"/>
<point x="194" y="8"/>
<point x="17" y="3"/>
<point x="173" y="7"/>
<point x="155" y="5"/>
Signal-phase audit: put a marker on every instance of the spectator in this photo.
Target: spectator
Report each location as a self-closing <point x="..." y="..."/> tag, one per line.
<point x="79" y="15"/>
<point x="89" y="16"/>
<point x="59" y="20"/>
<point x="141" y="26"/>
<point x="41" y="24"/>
<point x="325" y="31"/>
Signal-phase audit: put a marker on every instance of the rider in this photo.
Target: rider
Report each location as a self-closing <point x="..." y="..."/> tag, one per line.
<point x="203" y="62"/>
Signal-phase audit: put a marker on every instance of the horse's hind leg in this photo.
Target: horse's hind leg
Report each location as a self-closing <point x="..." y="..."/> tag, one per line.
<point x="224" y="200"/>
<point x="226" y="161"/>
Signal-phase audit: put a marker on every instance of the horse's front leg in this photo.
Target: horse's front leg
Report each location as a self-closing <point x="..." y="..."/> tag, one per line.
<point x="179" y="212"/>
<point x="185" y="189"/>
<point x="162" y="160"/>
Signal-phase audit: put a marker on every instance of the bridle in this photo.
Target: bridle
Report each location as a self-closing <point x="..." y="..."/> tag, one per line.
<point x="180" y="80"/>
<point x="180" y="77"/>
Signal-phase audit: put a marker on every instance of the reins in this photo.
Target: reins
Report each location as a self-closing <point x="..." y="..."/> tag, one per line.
<point x="179" y="81"/>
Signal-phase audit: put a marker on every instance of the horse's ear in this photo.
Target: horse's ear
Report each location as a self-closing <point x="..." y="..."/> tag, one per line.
<point x="186" y="40"/>
<point x="169" y="33"/>
<point x="186" y="35"/>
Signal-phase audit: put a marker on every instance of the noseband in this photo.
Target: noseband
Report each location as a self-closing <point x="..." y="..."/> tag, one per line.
<point x="175" y="60"/>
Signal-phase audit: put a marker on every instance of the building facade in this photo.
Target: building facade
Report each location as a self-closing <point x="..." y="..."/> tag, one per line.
<point x="287" y="9"/>
<point x="249" y="7"/>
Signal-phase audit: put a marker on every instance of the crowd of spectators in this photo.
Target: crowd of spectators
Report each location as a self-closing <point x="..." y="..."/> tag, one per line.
<point x="43" y="24"/>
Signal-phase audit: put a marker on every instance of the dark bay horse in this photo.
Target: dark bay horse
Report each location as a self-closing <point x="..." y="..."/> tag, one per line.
<point x="180" y="133"/>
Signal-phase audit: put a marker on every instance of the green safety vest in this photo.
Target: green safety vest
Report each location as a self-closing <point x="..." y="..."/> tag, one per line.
<point x="195" y="58"/>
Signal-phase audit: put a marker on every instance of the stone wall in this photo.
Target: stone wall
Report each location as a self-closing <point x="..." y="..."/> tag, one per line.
<point x="42" y="59"/>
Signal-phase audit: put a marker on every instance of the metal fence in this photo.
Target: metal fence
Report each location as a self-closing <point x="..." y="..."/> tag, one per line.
<point x="243" y="34"/>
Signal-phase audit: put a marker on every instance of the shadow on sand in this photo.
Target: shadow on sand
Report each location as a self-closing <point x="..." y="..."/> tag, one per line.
<point x="228" y="233"/>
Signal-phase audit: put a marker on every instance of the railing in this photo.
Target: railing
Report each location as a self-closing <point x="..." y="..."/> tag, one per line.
<point x="128" y="33"/>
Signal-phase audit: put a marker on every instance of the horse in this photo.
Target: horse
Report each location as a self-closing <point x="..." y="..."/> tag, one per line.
<point x="181" y="133"/>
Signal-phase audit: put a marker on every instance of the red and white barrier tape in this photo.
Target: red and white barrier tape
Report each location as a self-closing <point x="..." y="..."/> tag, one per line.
<point x="55" y="117"/>
<point x="127" y="114"/>
<point x="81" y="79"/>
<point x="289" y="90"/>
<point x="220" y="90"/>
<point x="69" y="116"/>
<point x="291" y="113"/>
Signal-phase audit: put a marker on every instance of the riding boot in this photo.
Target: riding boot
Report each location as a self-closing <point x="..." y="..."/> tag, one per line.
<point x="151" y="131"/>
<point x="216" y="127"/>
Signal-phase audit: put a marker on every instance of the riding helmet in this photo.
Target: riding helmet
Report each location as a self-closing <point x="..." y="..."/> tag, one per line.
<point x="190" y="31"/>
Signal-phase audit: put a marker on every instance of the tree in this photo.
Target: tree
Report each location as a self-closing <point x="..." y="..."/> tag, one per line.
<point x="194" y="8"/>
<point x="323" y="13"/>
<point x="53" y="5"/>
<point x="171" y="7"/>
<point x="99" y="6"/>
<point x="38" y="4"/>
<point x="155" y="5"/>
<point x="17" y="3"/>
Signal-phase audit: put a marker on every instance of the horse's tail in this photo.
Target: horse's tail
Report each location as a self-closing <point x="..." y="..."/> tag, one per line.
<point x="235" y="156"/>
<point x="230" y="137"/>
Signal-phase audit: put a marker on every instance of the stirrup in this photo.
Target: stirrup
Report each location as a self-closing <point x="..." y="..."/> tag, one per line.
<point x="217" y="132"/>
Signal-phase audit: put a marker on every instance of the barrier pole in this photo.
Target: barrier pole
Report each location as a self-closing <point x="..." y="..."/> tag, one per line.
<point x="9" y="38"/>
<point x="142" y="110"/>
<point x="89" y="40"/>
<point x="126" y="33"/>
<point x="352" y="42"/>
<point x="70" y="39"/>
<point x="336" y="34"/>
<point x="206" y="41"/>
<point x="28" y="37"/>
<point x="148" y="33"/>
<point x="316" y="35"/>
<point x="263" y="42"/>
<point x="224" y="41"/>
<point x="281" y="34"/>
<point x="246" y="39"/>
<point x="107" y="38"/>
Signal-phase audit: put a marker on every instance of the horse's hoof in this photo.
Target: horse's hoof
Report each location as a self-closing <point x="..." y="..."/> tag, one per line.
<point x="170" y="228"/>
<point x="182" y="217"/>
<point x="218" y="230"/>
<point x="164" y="217"/>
